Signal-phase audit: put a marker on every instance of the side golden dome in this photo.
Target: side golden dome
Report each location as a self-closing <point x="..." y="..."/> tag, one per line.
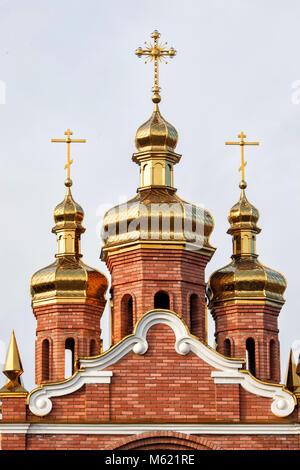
<point x="245" y="279"/>
<point x="156" y="134"/>
<point x="243" y="215"/>
<point x="68" y="213"/>
<point x="68" y="279"/>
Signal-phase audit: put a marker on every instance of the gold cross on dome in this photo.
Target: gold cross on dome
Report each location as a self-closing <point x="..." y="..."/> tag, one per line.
<point x="242" y="143"/>
<point x="68" y="141"/>
<point x="156" y="52"/>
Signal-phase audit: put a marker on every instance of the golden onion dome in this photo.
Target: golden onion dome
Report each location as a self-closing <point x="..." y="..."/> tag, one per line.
<point x="156" y="134"/>
<point x="243" y="214"/>
<point x="68" y="279"/>
<point x="245" y="279"/>
<point x="68" y="213"/>
<point x="157" y="215"/>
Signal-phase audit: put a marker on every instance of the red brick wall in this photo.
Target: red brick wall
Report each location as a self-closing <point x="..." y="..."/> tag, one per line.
<point x="160" y="386"/>
<point x="13" y="409"/>
<point x="143" y="272"/>
<point x="153" y="440"/>
<point x="260" y="322"/>
<point x="13" y="441"/>
<point x="58" y="322"/>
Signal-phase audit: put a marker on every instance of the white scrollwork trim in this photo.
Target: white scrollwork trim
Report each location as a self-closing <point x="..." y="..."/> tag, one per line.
<point x="228" y="370"/>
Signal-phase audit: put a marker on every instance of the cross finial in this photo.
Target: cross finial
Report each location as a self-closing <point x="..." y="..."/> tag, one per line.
<point x="242" y="143"/>
<point x="156" y="52"/>
<point x="68" y="141"/>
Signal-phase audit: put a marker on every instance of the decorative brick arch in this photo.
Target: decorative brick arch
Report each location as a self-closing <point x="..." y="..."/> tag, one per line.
<point x="164" y="440"/>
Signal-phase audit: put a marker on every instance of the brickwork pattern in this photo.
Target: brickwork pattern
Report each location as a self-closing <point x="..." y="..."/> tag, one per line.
<point x="58" y="322"/>
<point x="260" y="322"/>
<point x="143" y="272"/>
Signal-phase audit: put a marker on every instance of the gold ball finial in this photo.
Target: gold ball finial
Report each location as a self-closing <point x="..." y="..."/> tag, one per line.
<point x="156" y="98"/>
<point x="68" y="182"/>
<point x="155" y="34"/>
<point x="243" y="184"/>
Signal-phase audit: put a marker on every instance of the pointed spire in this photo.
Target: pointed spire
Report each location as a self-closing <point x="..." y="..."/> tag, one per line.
<point x="292" y="379"/>
<point x="13" y="368"/>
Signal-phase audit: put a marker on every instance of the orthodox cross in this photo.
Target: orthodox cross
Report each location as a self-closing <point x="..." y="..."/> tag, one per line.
<point x="68" y="141"/>
<point x="242" y="143"/>
<point x="156" y="52"/>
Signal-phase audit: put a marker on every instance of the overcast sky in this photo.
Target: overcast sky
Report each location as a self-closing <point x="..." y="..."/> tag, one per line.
<point x="71" y="64"/>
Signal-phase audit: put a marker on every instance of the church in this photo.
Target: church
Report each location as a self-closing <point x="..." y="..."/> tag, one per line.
<point x="159" y="385"/>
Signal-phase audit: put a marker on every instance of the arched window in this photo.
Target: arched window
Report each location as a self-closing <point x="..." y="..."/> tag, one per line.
<point x="45" y="360"/>
<point x="127" y="314"/>
<point x="194" y="313"/>
<point x="69" y="357"/>
<point x="162" y="300"/>
<point x="272" y="359"/>
<point x="93" y="348"/>
<point x="227" y="347"/>
<point x="250" y="353"/>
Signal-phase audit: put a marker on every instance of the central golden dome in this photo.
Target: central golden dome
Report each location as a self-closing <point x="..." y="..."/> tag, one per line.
<point x="157" y="215"/>
<point x="156" y="134"/>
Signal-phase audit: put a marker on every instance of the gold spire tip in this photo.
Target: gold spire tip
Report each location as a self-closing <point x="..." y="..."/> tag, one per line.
<point x="156" y="52"/>
<point x="13" y="368"/>
<point x="68" y="141"/>
<point x="242" y="143"/>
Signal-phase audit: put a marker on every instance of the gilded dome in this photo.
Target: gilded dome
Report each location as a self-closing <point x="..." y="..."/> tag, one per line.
<point x="156" y="134"/>
<point x="68" y="279"/>
<point x="243" y="215"/>
<point x="157" y="215"/>
<point x="68" y="213"/>
<point x="245" y="279"/>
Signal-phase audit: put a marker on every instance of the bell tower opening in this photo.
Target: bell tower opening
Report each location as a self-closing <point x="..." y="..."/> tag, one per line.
<point x="250" y="354"/>
<point x="69" y="357"/>
<point x="162" y="300"/>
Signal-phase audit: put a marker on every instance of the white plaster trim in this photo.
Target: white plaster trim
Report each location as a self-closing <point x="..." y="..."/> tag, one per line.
<point x="40" y="403"/>
<point x="283" y="403"/>
<point x="228" y="370"/>
<point x="14" y="428"/>
<point x="131" y="429"/>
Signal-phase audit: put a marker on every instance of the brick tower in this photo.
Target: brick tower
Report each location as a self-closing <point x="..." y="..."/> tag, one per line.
<point x="156" y="246"/>
<point x="68" y="298"/>
<point x="245" y="298"/>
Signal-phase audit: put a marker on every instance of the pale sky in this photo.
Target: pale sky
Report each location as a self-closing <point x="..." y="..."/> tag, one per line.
<point x="72" y="64"/>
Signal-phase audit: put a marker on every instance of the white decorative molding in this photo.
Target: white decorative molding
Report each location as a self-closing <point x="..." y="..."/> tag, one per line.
<point x="228" y="370"/>
<point x="14" y="428"/>
<point x="131" y="429"/>
<point x="40" y="403"/>
<point x="283" y="402"/>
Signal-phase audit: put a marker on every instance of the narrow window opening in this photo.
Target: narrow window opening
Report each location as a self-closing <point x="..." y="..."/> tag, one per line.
<point x="45" y="360"/>
<point x="127" y="314"/>
<point x="162" y="300"/>
<point x="93" y="348"/>
<point x="250" y="353"/>
<point x="69" y="357"/>
<point x="227" y="348"/>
